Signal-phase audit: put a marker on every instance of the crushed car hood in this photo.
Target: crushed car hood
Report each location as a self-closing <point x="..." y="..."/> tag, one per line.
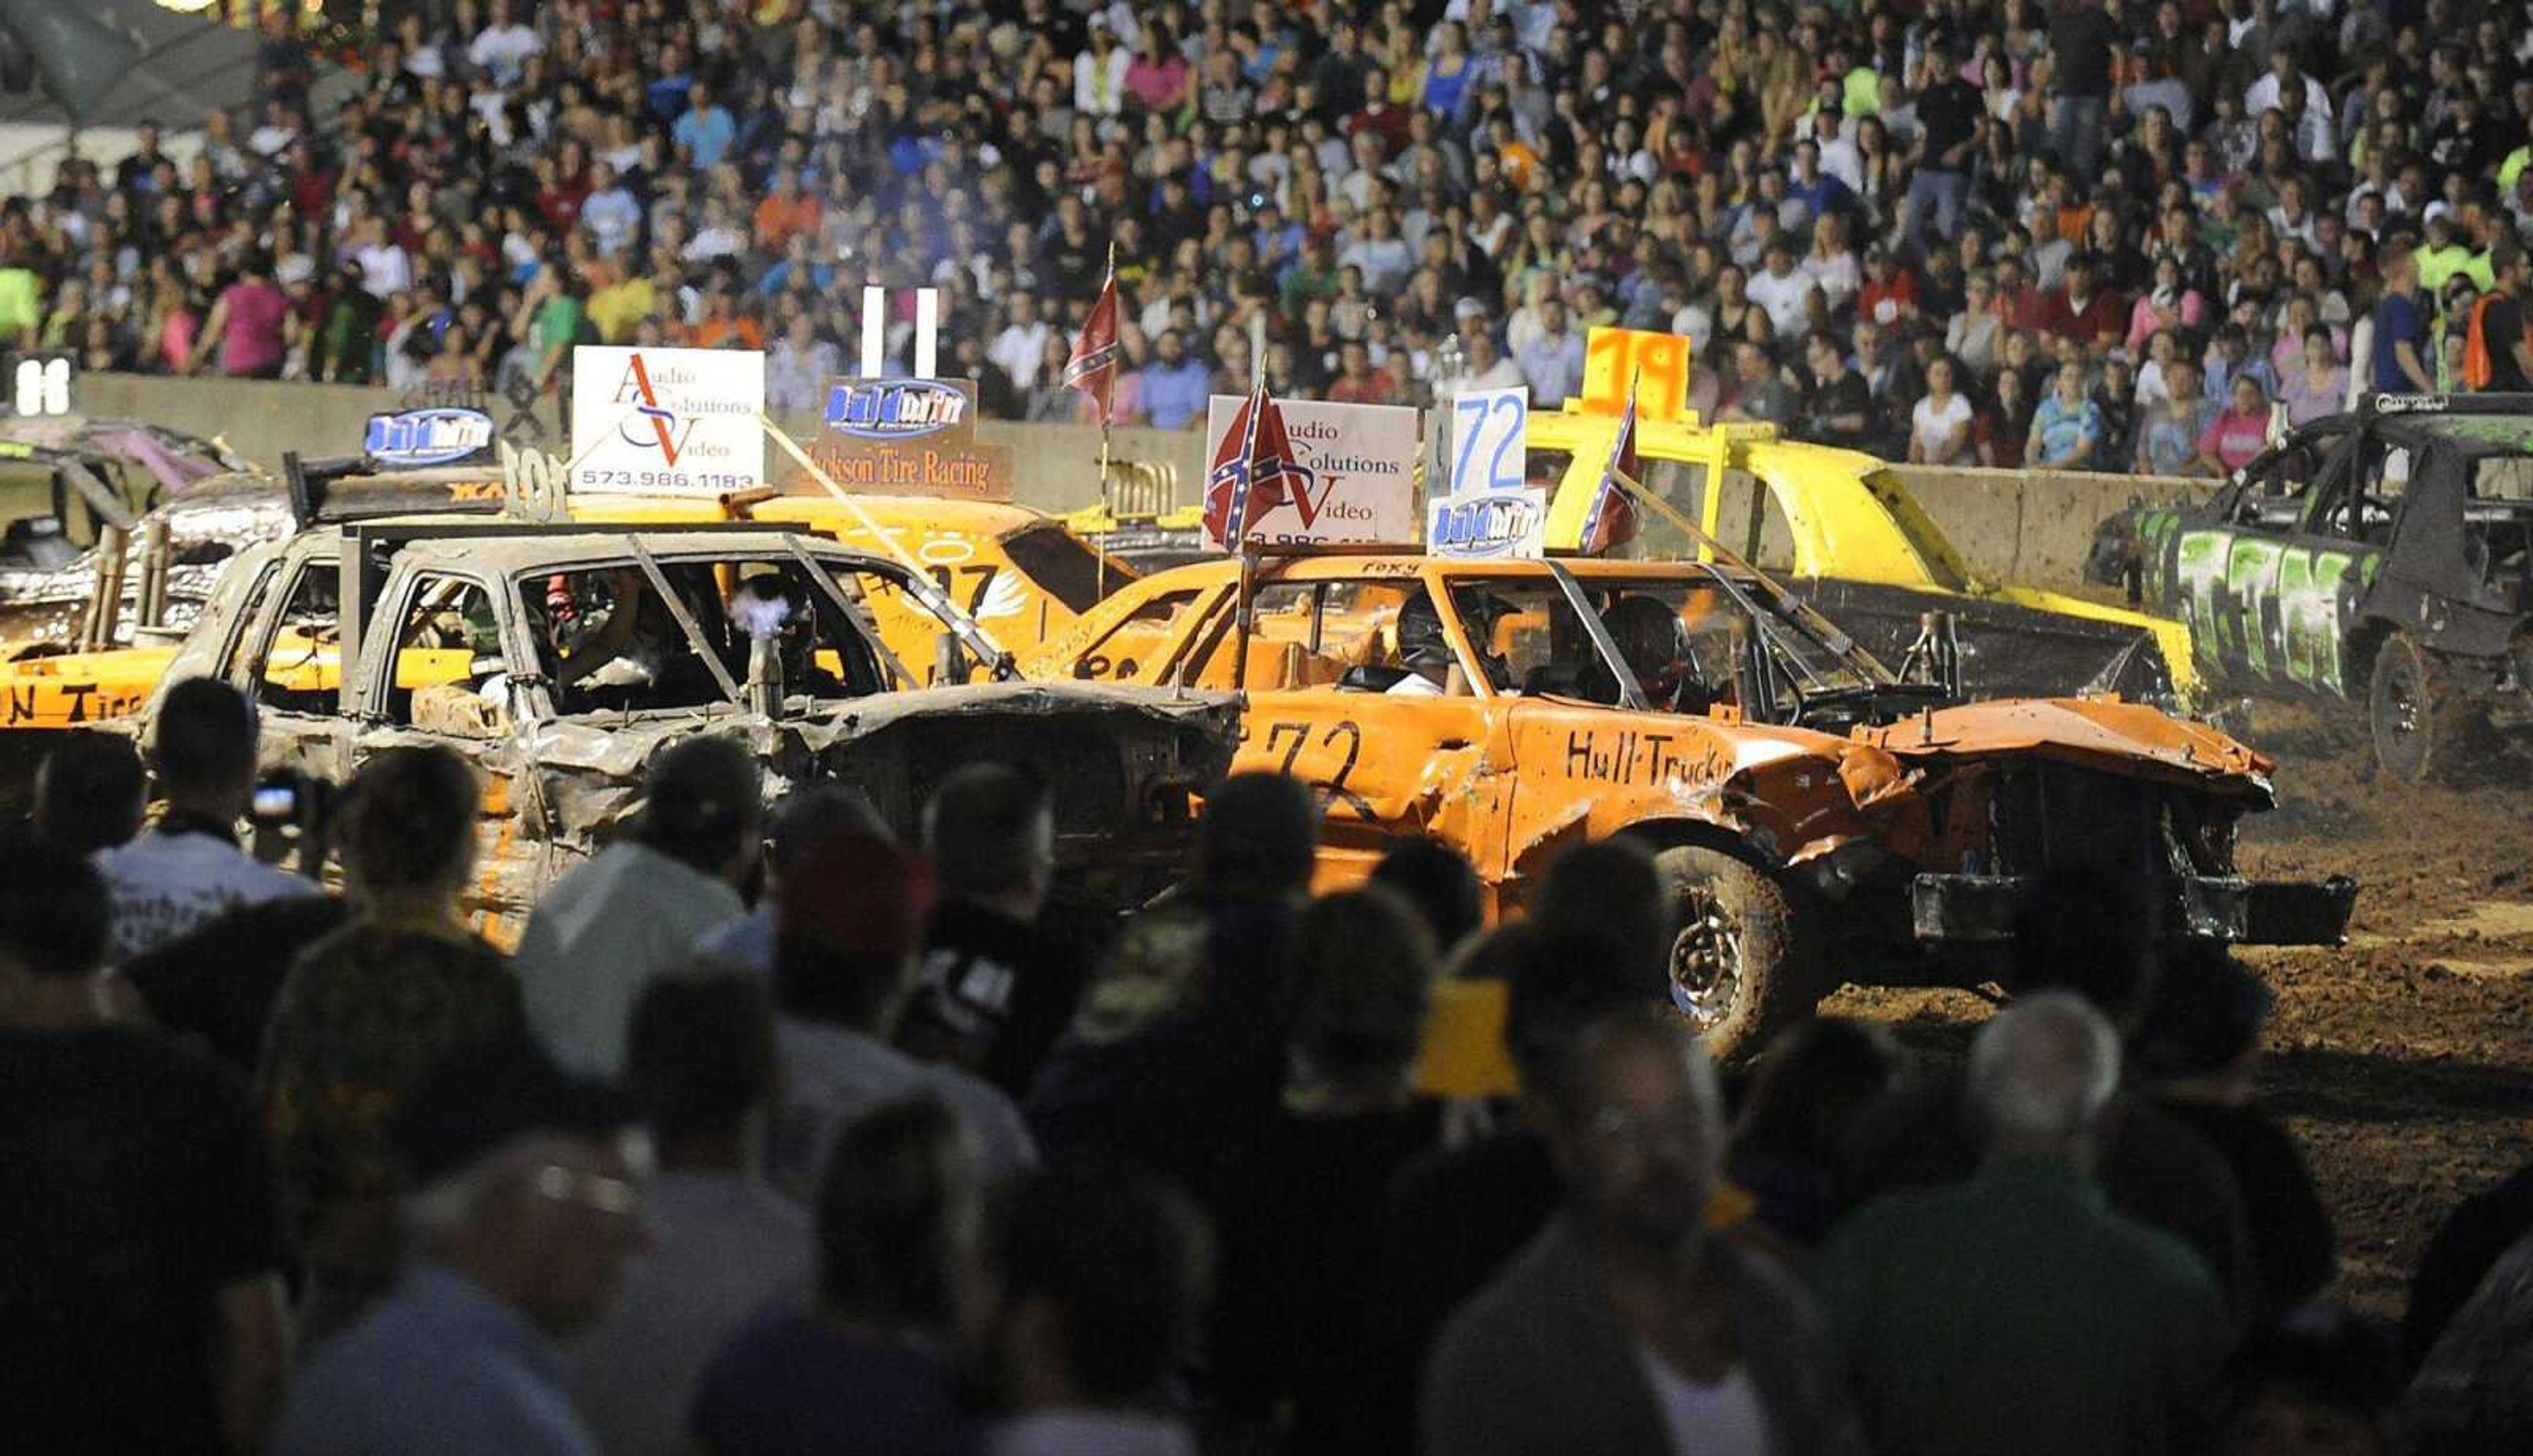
<point x="2103" y="732"/>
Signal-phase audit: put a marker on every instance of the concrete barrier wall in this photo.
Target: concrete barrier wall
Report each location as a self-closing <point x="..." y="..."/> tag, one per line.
<point x="2033" y="527"/>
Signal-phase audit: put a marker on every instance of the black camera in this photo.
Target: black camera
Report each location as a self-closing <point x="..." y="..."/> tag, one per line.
<point x="292" y="812"/>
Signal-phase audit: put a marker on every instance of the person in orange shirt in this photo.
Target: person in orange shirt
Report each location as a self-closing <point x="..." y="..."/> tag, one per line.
<point x="724" y="325"/>
<point x="787" y="210"/>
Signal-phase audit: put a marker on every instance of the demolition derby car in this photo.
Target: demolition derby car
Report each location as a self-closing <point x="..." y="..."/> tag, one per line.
<point x="87" y="641"/>
<point x="1837" y="525"/>
<point x="2383" y="558"/>
<point x="1821" y="817"/>
<point x="562" y="660"/>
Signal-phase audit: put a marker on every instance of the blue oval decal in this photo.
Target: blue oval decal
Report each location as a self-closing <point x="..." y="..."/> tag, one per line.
<point x="1486" y="523"/>
<point x="895" y="409"/>
<point x="434" y="437"/>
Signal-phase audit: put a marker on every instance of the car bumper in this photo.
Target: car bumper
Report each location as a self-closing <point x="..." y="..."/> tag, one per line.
<point x="2249" y="912"/>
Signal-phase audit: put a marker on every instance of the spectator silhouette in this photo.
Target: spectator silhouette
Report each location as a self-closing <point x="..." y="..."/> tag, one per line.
<point x="805" y="817"/>
<point x="999" y="980"/>
<point x="370" y="1008"/>
<point x="138" y="1231"/>
<point x="844" y="968"/>
<point x="1098" y="1280"/>
<point x="525" y="1203"/>
<point x="865" y="1365"/>
<point x="1629" y="1325"/>
<point x="641" y="907"/>
<point x="1296" y="1337"/>
<point x="1176" y="1058"/>
<point x="189" y="868"/>
<point x="2017" y="1312"/>
<point x="724" y="1244"/>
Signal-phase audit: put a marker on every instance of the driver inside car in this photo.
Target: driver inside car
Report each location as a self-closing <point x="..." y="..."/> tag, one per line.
<point x="626" y="650"/>
<point x="1426" y="653"/>
<point x="766" y="605"/>
<point x="1653" y="641"/>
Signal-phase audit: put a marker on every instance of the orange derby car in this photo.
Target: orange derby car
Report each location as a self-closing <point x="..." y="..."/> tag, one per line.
<point x="1812" y="809"/>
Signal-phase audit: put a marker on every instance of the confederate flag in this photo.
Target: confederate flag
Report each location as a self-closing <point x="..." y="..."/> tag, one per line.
<point x="1611" y="521"/>
<point x="1092" y="368"/>
<point x="1253" y="472"/>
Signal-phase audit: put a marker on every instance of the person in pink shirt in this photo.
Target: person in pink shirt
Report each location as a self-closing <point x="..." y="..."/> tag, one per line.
<point x="2170" y="305"/>
<point x="2239" y="432"/>
<point x="250" y="322"/>
<point x="174" y="323"/>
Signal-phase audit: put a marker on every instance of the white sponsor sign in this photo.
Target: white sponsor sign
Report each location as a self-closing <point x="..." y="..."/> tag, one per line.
<point x="1492" y="511"/>
<point x="681" y="422"/>
<point x="1358" y="472"/>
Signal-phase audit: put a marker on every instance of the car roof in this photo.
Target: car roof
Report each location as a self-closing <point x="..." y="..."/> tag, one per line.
<point x="2473" y="435"/>
<point x="509" y="552"/>
<point x="1336" y="568"/>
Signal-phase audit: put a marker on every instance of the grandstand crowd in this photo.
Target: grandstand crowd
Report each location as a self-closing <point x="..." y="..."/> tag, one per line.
<point x="2098" y="236"/>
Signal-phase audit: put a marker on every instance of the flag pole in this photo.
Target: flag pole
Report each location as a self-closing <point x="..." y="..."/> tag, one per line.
<point x="1107" y="408"/>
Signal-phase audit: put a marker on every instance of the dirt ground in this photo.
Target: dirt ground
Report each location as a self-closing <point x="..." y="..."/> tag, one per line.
<point x="2403" y="1061"/>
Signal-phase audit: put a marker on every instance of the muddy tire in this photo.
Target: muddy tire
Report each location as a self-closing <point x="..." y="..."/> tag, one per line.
<point x="1743" y="964"/>
<point x="2424" y="722"/>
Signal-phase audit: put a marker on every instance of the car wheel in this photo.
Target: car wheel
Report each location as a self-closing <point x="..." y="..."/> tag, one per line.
<point x="2423" y="721"/>
<point x="1741" y="962"/>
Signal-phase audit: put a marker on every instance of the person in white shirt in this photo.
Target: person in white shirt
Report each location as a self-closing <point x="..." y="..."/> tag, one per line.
<point x="1099" y="73"/>
<point x="1783" y="290"/>
<point x="188" y="870"/>
<point x="502" y="47"/>
<point x="1940" y="426"/>
<point x="720" y="236"/>
<point x="280" y="128"/>
<point x="387" y="269"/>
<point x="1487" y="368"/>
<point x="639" y="909"/>
<point x="1022" y="345"/>
<point x="2284" y="72"/>
<point x="610" y="213"/>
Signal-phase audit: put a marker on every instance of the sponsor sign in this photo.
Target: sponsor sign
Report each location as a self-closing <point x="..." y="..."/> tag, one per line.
<point x="893" y="437"/>
<point x="1478" y="524"/>
<point x="939" y="411"/>
<point x="417" y="439"/>
<point x="1353" y="477"/>
<point x="679" y="422"/>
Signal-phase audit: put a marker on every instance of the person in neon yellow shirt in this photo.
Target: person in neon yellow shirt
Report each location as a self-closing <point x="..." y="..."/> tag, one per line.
<point x="2441" y="256"/>
<point x="1861" y="93"/>
<point x="22" y="305"/>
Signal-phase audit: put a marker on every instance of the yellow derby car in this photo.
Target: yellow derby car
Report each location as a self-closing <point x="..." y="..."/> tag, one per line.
<point x="1843" y="529"/>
